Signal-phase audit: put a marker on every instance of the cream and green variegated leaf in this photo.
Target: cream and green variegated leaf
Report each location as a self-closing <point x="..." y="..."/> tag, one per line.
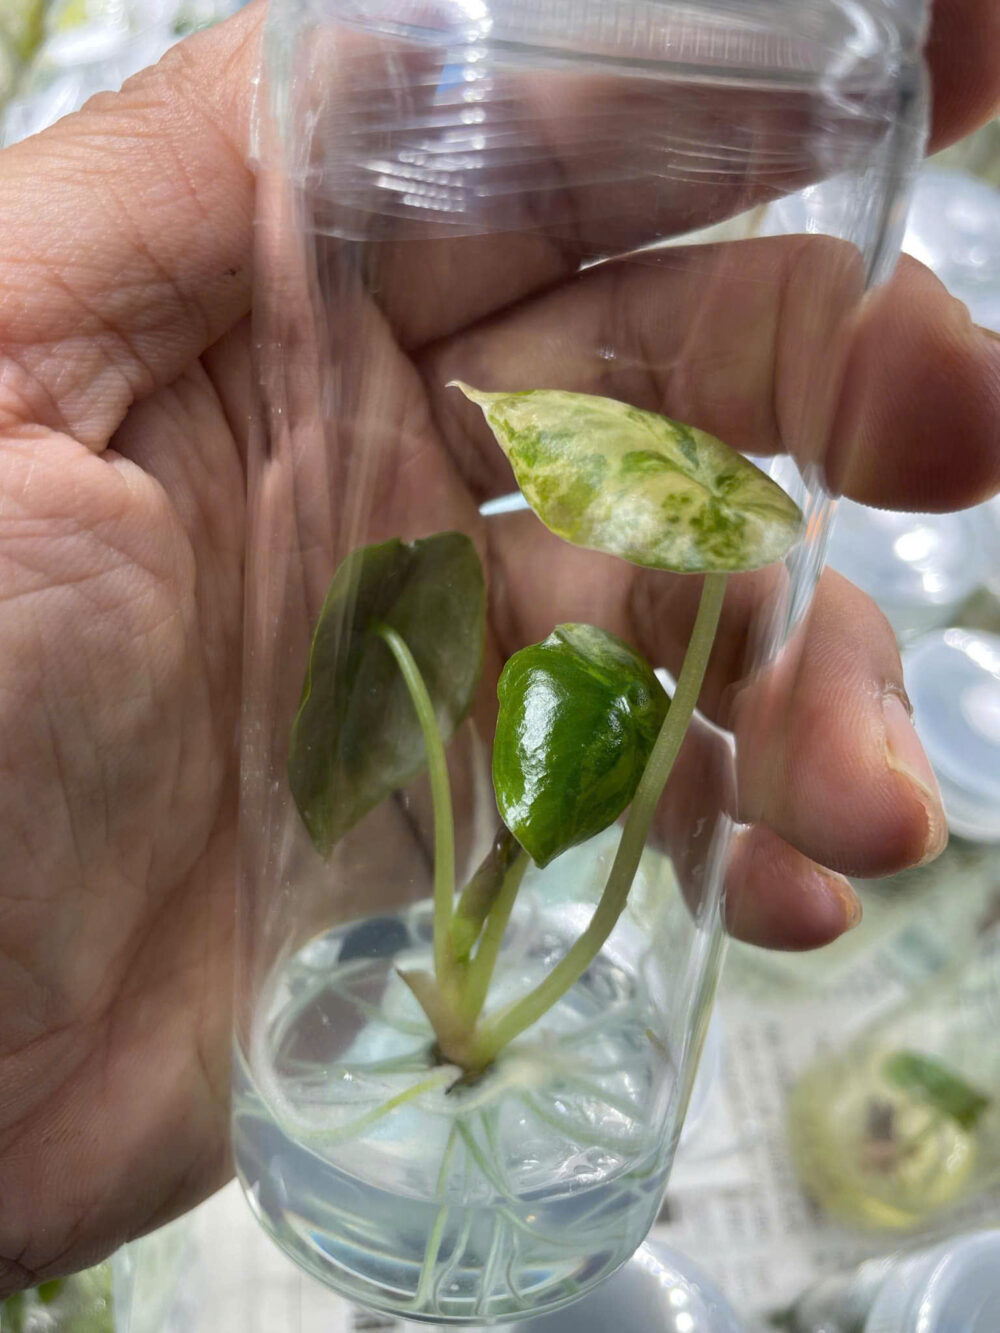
<point x="614" y="478"/>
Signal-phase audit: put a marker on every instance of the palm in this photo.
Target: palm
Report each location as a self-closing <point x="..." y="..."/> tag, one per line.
<point x="121" y="566"/>
<point x="124" y="591"/>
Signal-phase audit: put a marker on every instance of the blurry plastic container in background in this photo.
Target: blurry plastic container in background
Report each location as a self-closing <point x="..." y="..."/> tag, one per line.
<point x="904" y="1122"/>
<point x="659" y="1290"/>
<point x="953" y="1287"/>
<point x="954" y="228"/>
<point x="54" y="54"/>
<point x="919" y="568"/>
<point x="953" y="680"/>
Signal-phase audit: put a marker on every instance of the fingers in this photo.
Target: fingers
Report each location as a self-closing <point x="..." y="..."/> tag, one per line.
<point x="829" y="777"/>
<point x="722" y="336"/>
<point x="108" y="291"/>
<point x="963" y="54"/>
<point x="827" y="755"/>
<point x="773" y="896"/>
<point x="761" y="343"/>
<point x="779" y="899"/>
<point x="125" y="237"/>
<point x="919" y="424"/>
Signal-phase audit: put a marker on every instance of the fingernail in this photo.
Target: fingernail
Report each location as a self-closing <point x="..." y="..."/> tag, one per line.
<point x="840" y="892"/>
<point x="904" y="754"/>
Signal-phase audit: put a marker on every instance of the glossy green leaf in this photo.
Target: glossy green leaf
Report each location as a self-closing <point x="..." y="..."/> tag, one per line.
<point x="356" y="737"/>
<point x="932" y="1082"/>
<point x="611" y="477"/>
<point x="579" y="714"/>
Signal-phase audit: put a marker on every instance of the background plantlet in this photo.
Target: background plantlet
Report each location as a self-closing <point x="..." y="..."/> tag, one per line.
<point x="585" y="731"/>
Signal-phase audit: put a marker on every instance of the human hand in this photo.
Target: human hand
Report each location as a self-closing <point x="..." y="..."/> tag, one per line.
<point x="124" y="392"/>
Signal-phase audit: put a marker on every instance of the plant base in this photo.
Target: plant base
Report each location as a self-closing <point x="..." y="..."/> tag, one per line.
<point x="414" y="1192"/>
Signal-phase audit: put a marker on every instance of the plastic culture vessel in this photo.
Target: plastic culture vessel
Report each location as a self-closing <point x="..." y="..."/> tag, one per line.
<point x="450" y="1048"/>
<point x="507" y="561"/>
<point x="905" y="1123"/>
<point x="946" y="1287"/>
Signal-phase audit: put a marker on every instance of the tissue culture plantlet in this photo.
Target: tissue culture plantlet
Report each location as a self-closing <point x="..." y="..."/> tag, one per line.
<point x="585" y="729"/>
<point x="466" y="1030"/>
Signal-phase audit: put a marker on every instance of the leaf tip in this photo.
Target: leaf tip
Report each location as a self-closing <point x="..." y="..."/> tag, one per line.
<point x="477" y="396"/>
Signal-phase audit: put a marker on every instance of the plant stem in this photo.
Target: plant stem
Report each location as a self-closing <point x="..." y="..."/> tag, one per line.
<point x="496" y="1034"/>
<point x="481" y="967"/>
<point x="478" y="897"/>
<point x="444" y="826"/>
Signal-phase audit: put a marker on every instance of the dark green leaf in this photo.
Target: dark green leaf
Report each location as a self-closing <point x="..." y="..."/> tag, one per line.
<point x="932" y="1082"/>
<point x="579" y="714"/>
<point x="614" y="478"/>
<point x="356" y="737"/>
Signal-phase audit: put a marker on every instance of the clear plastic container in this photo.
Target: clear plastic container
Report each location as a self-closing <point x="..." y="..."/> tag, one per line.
<point x="953" y="227"/>
<point x="953" y="1287"/>
<point x="658" y="1291"/>
<point x="482" y="862"/>
<point x="905" y="1122"/>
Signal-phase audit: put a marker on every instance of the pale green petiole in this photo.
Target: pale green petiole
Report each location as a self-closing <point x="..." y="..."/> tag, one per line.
<point x="502" y="1029"/>
<point x="479" y="896"/>
<point x="481" y="967"/>
<point x="444" y="828"/>
<point x="454" y="997"/>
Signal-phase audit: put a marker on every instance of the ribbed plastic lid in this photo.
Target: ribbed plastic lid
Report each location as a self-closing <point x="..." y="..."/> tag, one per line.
<point x="954" y="1288"/>
<point x="953" y="680"/>
<point x="845" y="42"/>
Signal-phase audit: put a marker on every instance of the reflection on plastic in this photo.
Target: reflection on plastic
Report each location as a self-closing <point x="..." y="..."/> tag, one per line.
<point x="953" y="679"/>
<point x="919" y="568"/>
<point x="658" y="1291"/>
